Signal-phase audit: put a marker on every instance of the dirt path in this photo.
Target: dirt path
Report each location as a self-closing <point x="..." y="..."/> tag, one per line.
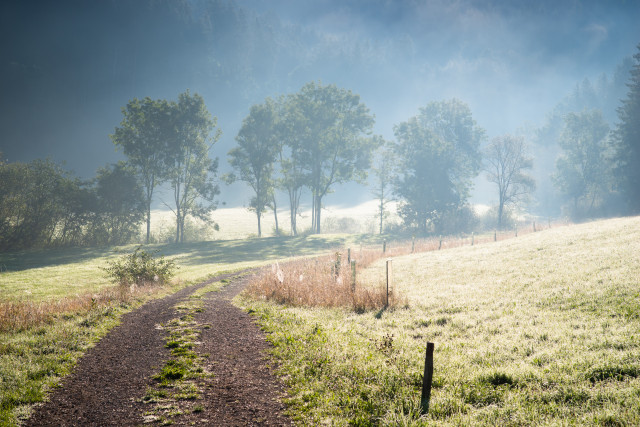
<point x="111" y="378"/>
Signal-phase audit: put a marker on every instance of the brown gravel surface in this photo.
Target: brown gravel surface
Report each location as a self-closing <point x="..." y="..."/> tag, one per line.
<point x="111" y="378"/>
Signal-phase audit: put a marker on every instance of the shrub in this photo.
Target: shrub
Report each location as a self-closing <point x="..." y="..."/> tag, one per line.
<point x="140" y="267"/>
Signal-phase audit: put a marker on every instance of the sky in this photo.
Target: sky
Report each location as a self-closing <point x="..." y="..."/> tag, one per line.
<point x="67" y="67"/>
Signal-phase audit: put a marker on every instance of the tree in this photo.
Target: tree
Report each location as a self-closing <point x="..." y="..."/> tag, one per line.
<point x="582" y="170"/>
<point x="190" y="171"/>
<point x="41" y="205"/>
<point x="120" y="204"/>
<point x="383" y="170"/>
<point x="292" y="175"/>
<point x="143" y="134"/>
<point x="506" y="160"/>
<point x="627" y="138"/>
<point x="254" y="157"/>
<point x="332" y="139"/>
<point x="438" y="156"/>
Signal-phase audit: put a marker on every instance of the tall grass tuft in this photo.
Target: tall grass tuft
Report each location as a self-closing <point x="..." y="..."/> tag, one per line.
<point x="321" y="282"/>
<point x="16" y="316"/>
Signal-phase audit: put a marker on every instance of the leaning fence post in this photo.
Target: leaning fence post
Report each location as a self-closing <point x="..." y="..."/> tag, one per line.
<point x="353" y="275"/>
<point x="389" y="279"/>
<point x="427" y="380"/>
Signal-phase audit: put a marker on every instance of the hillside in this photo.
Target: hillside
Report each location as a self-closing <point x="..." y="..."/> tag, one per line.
<point x="539" y="329"/>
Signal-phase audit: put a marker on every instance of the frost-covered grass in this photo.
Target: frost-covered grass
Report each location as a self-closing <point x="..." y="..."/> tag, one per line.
<point x="538" y="330"/>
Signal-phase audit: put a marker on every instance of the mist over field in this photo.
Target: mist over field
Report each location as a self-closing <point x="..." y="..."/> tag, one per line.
<point x="68" y="67"/>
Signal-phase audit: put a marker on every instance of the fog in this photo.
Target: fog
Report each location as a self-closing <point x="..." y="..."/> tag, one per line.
<point x="67" y="67"/>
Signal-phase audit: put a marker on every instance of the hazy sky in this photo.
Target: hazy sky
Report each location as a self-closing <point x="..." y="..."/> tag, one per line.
<point x="67" y="67"/>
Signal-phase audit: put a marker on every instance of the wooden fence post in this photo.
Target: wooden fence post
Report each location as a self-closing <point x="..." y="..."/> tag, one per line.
<point x="349" y="256"/>
<point x="440" y="245"/>
<point x="427" y="380"/>
<point x="384" y="246"/>
<point x="389" y="279"/>
<point x="473" y="238"/>
<point x="413" y="244"/>
<point x="353" y="275"/>
<point x="516" y="230"/>
<point x="534" y="226"/>
<point x="495" y="235"/>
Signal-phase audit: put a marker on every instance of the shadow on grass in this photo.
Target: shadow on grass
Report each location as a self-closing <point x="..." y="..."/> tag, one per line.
<point x="38" y="258"/>
<point x="190" y="254"/>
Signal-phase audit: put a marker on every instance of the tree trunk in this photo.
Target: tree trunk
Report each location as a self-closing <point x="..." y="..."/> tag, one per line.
<point x="275" y="214"/>
<point x="258" y="214"/>
<point x="500" y="209"/>
<point x="381" y="213"/>
<point x="318" y="205"/>
<point x="178" y="225"/>
<point x="148" y="221"/>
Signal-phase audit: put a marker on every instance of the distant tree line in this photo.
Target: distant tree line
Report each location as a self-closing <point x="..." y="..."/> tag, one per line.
<point x="314" y="140"/>
<point x="42" y="205"/>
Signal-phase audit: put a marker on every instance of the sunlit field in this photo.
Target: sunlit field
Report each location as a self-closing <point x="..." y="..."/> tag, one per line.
<point x="240" y="223"/>
<point x="536" y="330"/>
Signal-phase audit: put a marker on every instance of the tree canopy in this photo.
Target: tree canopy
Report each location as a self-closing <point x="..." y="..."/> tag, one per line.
<point x="506" y="161"/>
<point x="438" y="156"/>
<point x="583" y="169"/>
<point x="331" y="140"/>
<point x="254" y="156"/>
<point x="627" y="137"/>
<point x="189" y="169"/>
<point x="144" y="135"/>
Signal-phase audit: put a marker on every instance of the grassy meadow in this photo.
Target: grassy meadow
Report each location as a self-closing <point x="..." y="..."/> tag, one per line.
<point x="543" y="329"/>
<point x="54" y="304"/>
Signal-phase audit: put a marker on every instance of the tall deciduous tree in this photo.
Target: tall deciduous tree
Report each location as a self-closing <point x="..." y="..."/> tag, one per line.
<point x="383" y="170"/>
<point x="254" y="156"/>
<point x="143" y="135"/>
<point x="506" y="161"/>
<point x="333" y="143"/>
<point x="438" y="156"/>
<point x="292" y="175"/>
<point x="190" y="170"/>
<point x="627" y="137"/>
<point x="583" y="170"/>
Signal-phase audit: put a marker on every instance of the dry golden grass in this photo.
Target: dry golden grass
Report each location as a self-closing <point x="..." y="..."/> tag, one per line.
<point x="328" y="281"/>
<point x="16" y="316"/>
<point x="320" y="282"/>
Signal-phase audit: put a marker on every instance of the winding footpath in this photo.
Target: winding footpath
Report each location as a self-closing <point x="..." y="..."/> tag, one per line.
<point x="109" y="381"/>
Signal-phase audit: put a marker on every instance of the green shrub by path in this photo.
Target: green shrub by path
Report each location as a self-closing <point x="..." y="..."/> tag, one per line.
<point x="538" y="330"/>
<point x="140" y="267"/>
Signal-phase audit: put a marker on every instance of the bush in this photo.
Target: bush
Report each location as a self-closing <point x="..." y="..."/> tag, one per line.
<point x="140" y="267"/>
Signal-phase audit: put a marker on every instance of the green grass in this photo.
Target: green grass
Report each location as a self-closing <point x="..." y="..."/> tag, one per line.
<point x="32" y="361"/>
<point x="538" y="330"/>
<point x="51" y="274"/>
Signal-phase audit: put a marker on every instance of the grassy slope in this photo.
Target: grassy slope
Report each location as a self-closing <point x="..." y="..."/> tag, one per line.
<point x="542" y="329"/>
